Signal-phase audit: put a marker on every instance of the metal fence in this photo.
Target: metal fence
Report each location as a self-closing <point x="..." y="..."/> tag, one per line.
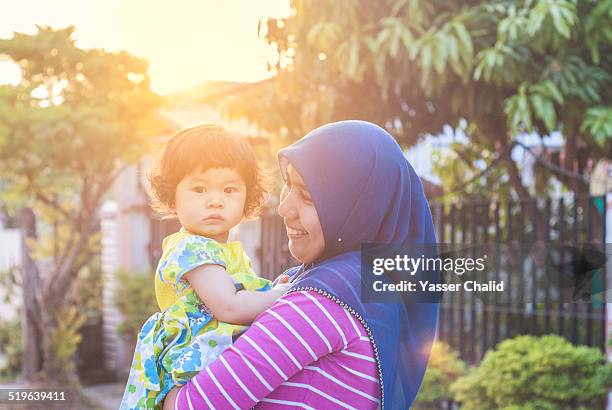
<point x="538" y="298"/>
<point x="474" y="324"/>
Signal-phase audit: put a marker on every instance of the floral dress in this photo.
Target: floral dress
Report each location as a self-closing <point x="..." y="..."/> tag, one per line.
<point x="178" y="342"/>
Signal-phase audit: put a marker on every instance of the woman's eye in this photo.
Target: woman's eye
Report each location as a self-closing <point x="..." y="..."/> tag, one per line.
<point x="230" y="190"/>
<point x="306" y="197"/>
<point x="284" y="191"/>
<point x="198" y="189"/>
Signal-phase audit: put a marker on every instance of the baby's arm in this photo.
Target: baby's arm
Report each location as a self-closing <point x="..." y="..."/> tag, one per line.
<point x="216" y="289"/>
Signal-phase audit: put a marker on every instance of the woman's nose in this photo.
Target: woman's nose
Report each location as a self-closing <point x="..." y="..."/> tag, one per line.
<point x="286" y="209"/>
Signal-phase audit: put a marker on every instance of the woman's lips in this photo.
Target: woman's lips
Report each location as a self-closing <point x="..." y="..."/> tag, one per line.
<point x="293" y="233"/>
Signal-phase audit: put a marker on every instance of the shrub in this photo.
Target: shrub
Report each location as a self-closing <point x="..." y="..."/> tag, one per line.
<point x="443" y="369"/>
<point x="11" y="347"/>
<point x="65" y="339"/>
<point x="530" y="372"/>
<point x="135" y="299"/>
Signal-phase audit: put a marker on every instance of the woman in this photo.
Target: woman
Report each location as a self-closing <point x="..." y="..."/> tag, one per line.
<point x="319" y="346"/>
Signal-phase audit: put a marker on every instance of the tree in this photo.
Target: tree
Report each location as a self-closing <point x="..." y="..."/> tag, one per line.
<point x="65" y="130"/>
<point x="500" y="67"/>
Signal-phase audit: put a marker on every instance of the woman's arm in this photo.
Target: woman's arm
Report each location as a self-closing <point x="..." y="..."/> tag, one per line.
<point x="296" y="331"/>
<point x="216" y="289"/>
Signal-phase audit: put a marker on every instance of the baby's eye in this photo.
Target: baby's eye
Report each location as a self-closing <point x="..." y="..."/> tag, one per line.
<point x="199" y="189"/>
<point x="230" y="190"/>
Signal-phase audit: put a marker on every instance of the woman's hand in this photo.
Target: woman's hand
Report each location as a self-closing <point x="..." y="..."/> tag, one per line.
<point x="169" y="399"/>
<point x="281" y="280"/>
<point x="281" y="285"/>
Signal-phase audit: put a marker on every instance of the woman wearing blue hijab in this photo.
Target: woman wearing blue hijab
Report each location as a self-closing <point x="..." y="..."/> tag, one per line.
<point x="347" y="183"/>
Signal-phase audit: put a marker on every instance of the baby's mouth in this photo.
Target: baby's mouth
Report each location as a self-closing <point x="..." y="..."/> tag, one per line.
<point x="214" y="218"/>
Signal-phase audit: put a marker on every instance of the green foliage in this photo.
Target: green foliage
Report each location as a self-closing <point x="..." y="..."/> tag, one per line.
<point x="545" y="372"/>
<point x="443" y="369"/>
<point x="9" y="285"/>
<point x="598" y="123"/>
<point x="537" y="100"/>
<point x="63" y="129"/>
<point x="135" y="299"/>
<point x="415" y="66"/>
<point x="11" y="347"/>
<point x="88" y="290"/>
<point x="74" y="113"/>
<point x="67" y="130"/>
<point x="65" y="339"/>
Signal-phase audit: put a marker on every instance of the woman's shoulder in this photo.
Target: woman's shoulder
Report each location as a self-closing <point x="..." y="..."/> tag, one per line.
<point x="348" y="263"/>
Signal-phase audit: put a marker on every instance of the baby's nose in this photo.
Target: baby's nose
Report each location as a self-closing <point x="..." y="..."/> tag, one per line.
<point x="215" y="203"/>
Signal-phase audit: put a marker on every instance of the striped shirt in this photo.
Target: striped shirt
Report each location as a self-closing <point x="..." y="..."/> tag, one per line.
<point x="306" y="351"/>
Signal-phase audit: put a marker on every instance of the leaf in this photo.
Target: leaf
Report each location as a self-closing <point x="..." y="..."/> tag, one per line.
<point x="465" y="40"/>
<point x="395" y="39"/>
<point x="536" y="18"/>
<point x="440" y="45"/>
<point x="559" y="21"/>
<point x="353" y="59"/>
<point x="426" y="57"/>
<point x="544" y="110"/>
<point x="399" y="4"/>
<point x="518" y="113"/>
<point x="407" y="40"/>
<point x="598" y="123"/>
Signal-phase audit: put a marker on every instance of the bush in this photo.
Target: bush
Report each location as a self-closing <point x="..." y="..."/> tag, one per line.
<point x="135" y="299"/>
<point x="65" y="339"/>
<point x="443" y="369"/>
<point x="88" y="291"/>
<point x="530" y="372"/>
<point x="11" y="347"/>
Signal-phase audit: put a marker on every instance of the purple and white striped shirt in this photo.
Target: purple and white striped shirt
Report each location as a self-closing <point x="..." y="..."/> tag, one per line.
<point x="306" y="351"/>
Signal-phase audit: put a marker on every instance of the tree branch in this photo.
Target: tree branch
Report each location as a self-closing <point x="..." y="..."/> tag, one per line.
<point x="52" y="203"/>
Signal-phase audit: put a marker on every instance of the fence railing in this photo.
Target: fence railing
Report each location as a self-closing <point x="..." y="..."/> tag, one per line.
<point x="540" y="298"/>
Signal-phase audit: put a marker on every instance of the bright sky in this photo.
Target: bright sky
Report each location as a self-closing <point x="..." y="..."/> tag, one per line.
<point x="186" y="41"/>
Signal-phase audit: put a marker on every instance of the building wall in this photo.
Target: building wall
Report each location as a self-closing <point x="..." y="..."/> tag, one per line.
<point x="126" y="236"/>
<point x="109" y="260"/>
<point x="10" y="255"/>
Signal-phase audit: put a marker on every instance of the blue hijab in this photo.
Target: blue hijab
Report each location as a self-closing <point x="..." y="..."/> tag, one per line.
<point x="364" y="191"/>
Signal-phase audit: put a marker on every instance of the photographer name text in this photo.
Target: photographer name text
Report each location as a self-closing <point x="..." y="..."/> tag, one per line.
<point x="427" y="286"/>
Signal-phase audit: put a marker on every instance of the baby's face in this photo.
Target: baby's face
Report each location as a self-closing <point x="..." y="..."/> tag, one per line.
<point x="210" y="203"/>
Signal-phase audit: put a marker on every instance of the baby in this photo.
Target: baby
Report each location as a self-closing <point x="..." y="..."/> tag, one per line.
<point x="205" y="286"/>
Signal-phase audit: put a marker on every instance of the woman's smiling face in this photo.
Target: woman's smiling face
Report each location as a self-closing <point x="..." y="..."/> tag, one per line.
<point x="306" y="241"/>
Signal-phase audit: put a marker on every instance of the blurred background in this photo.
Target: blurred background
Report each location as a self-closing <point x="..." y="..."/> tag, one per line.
<point x="503" y="108"/>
